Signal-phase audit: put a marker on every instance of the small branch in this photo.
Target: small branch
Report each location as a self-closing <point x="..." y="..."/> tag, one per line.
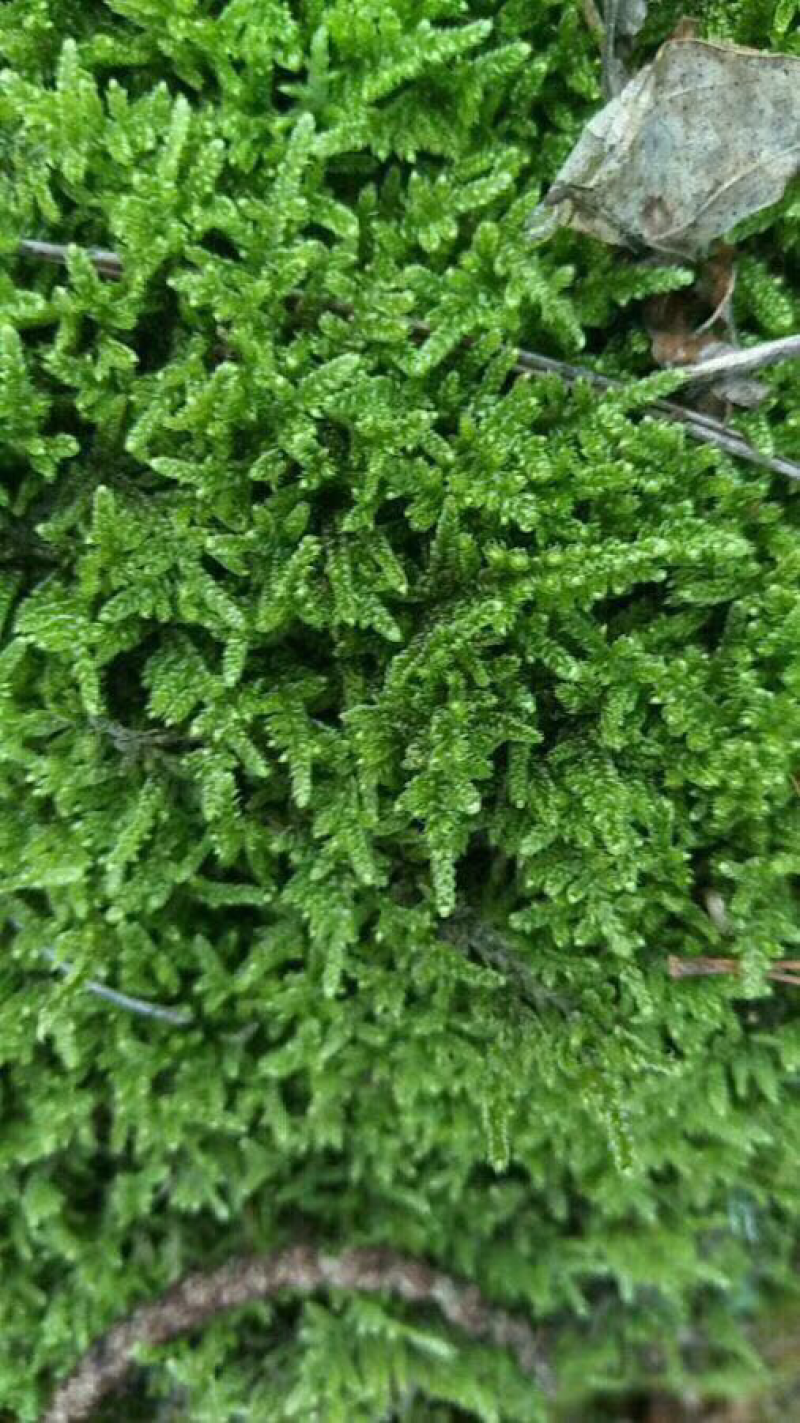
<point x="593" y="18"/>
<point x="700" y="427"/>
<point x="613" y="69"/>
<point x="782" y="971"/>
<point x="200" y="1297"/>
<point x="752" y="358"/>
<point x="465" y="931"/>
<point x="623" y="21"/>
<point x="179" y="1016"/>
<point x="108" y="264"/>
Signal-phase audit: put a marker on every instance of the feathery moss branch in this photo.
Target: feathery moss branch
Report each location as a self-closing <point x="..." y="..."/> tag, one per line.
<point x="698" y="426"/>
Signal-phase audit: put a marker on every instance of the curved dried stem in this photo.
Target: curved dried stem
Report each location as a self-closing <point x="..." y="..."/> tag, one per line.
<point x="303" y="1270"/>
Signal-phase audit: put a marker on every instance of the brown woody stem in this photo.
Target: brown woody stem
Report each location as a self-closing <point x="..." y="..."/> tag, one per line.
<point x="782" y="971"/>
<point x="304" y="1270"/>
<point x="593" y="18"/>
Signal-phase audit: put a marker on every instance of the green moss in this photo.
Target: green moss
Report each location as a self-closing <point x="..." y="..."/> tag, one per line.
<point x="390" y="715"/>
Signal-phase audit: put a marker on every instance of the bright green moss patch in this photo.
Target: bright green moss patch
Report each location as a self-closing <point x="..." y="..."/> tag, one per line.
<point x="390" y="715"/>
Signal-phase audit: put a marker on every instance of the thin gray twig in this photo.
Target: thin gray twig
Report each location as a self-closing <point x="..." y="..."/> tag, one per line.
<point x="700" y="427"/>
<point x="623" y="20"/>
<point x="742" y="362"/>
<point x="613" y="71"/>
<point x="109" y="264"/>
<point x="179" y="1016"/>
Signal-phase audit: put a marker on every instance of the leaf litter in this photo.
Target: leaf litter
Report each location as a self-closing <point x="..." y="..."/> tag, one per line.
<point x="698" y="140"/>
<point x="702" y="137"/>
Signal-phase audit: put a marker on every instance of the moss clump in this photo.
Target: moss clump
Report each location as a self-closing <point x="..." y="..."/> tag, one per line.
<point x="388" y="715"/>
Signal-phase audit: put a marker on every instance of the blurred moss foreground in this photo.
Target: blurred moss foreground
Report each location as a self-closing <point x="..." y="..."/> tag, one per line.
<point x="386" y="719"/>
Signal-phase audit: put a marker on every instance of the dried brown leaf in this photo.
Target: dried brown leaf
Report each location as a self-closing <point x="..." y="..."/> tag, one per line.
<point x="699" y="139"/>
<point x="679" y="337"/>
<point x="716" y="283"/>
<point x="687" y="28"/>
